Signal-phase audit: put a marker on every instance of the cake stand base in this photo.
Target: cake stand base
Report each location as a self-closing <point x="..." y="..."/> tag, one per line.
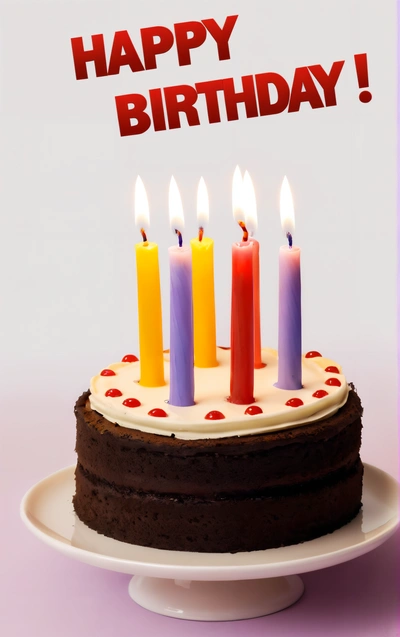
<point x="208" y="586"/>
<point x="215" y="601"/>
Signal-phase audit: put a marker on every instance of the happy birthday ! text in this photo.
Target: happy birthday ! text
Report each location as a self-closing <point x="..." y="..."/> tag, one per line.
<point x="171" y="107"/>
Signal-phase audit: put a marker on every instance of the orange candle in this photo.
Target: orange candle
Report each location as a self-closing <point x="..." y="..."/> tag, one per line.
<point x="149" y="298"/>
<point x="203" y="287"/>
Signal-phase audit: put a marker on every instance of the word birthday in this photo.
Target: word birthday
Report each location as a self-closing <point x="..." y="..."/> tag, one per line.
<point x="169" y="107"/>
<point x="255" y="93"/>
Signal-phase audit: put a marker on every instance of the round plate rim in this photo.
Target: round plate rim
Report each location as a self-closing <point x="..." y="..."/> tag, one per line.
<point x="206" y="571"/>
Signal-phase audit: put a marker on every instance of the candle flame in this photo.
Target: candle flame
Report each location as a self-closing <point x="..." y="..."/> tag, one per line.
<point x="142" y="217"/>
<point x="237" y="196"/>
<point x="203" y="208"/>
<point x="250" y="204"/>
<point x="286" y="208"/>
<point x="176" y="218"/>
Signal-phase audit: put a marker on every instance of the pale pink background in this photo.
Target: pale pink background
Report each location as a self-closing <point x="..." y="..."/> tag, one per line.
<point x="67" y="272"/>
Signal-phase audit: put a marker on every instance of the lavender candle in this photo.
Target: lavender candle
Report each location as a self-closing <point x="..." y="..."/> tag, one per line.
<point x="181" y="392"/>
<point x="289" y="335"/>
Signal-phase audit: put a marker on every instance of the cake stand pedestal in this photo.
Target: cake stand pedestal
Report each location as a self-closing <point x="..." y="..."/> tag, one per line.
<point x="216" y="601"/>
<point x="206" y="586"/>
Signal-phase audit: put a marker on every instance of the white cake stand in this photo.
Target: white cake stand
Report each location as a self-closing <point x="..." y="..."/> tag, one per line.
<point x="206" y="586"/>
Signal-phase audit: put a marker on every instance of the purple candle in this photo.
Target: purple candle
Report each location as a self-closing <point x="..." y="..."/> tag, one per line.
<point x="289" y="336"/>
<point x="181" y="392"/>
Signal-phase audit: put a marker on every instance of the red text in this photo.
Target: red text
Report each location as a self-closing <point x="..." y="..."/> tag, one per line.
<point x="155" y="41"/>
<point x="260" y="95"/>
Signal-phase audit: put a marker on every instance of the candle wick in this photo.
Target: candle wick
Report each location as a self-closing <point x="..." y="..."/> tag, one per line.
<point x="179" y="237"/>
<point x="143" y="233"/>
<point x="201" y="232"/>
<point x="245" y="232"/>
<point x="290" y="239"/>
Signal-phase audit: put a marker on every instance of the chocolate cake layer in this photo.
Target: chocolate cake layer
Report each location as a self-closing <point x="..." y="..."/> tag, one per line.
<point x="208" y="468"/>
<point x="244" y="523"/>
<point x="223" y="495"/>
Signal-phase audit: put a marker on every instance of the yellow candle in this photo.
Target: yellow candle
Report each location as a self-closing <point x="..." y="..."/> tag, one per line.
<point x="203" y="288"/>
<point x="203" y="303"/>
<point x="150" y="317"/>
<point x="149" y="298"/>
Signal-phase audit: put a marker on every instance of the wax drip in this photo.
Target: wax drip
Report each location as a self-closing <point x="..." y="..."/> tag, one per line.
<point x="143" y="233"/>
<point x="245" y="232"/>
<point x="179" y="237"/>
<point x="201" y="232"/>
<point x="290" y="239"/>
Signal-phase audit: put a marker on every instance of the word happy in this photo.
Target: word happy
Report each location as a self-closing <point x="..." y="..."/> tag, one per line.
<point x="183" y="104"/>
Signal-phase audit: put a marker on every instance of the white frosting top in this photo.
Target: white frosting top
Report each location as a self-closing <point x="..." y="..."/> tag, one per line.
<point x="211" y="391"/>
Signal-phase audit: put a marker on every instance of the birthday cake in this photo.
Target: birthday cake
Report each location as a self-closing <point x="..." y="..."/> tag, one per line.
<point x="218" y="476"/>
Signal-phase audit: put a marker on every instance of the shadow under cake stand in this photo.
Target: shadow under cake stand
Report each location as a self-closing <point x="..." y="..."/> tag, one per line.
<point x="207" y="586"/>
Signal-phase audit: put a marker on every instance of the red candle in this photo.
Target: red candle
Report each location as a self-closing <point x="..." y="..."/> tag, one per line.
<point x="256" y="302"/>
<point x="250" y="205"/>
<point x="242" y="312"/>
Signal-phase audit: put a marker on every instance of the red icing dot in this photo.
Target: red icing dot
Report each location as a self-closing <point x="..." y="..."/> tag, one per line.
<point x="158" y="413"/>
<point x="333" y="382"/>
<point x="253" y="410"/>
<point x="131" y="402"/>
<point x="313" y="354"/>
<point x="332" y="369"/>
<point x="113" y="393"/>
<point x="107" y="372"/>
<point x="130" y="358"/>
<point x="294" y="402"/>
<point x="320" y="393"/>
<point x="214" y="415"/>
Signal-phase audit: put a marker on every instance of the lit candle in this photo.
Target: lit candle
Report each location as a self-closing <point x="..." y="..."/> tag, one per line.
<point x="149" y="297"/>
<point x="181" y="392"/>
<point x="249" y="200"/>
<point x="203" y="287"/>
<point x="289" y="337"/>
<point x="242" y="320"/>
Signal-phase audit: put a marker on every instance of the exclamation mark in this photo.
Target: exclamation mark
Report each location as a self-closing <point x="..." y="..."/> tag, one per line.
<point x="361" y="63"/>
